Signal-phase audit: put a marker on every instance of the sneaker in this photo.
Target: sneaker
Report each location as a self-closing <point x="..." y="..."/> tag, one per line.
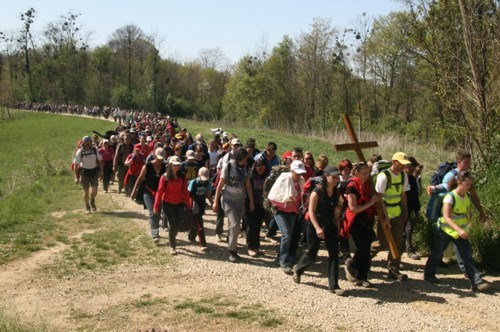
<point x="414" y="255"/>
<point x="337" y="291"/>
<point x="243" y="234"/>
<point x="252" y="253"/>
<point x="296" y="277"/>
<point x="92" y="204"/>
<point x="481" y="287"/>
<point x="156" y="240"/>
<point x="234" y="257"/>
<point x="396" y="275"/>
<point x="350" y="272"/>
<point x="219" y="237"/>
<point x="444" y="264"/>
<point x="204" y="249"/>
<point x="173" y="251"/>
<point x="432" y="279"/>
<point x="364" y="283"/>
<point x="87" y="208"/>
<point x="287" y="269"/>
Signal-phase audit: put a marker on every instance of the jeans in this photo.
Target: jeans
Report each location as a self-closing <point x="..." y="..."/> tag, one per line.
<point x="286" y="223"/>
<point x="174" y="214"/>
<point x="154" y="219"/>
<point x="332" y="245"/>
<point x="463" y="252"/>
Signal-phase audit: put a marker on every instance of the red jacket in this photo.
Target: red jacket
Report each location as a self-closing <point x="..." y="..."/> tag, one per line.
<point x="173" y="191"/>
<point x="364" y="192"/>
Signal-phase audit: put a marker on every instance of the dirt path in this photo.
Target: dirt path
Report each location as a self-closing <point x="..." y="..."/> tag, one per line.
<point x="131" y="297"/>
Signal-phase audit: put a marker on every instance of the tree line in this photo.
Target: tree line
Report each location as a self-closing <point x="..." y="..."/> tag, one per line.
<point x="429" y="71"/>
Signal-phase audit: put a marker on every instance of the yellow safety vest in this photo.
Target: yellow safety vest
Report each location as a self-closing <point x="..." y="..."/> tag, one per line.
<point x="392" y="195"/>
<point x="460" y="209"/>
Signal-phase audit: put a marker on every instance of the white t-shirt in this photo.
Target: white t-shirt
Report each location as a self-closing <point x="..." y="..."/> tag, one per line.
<point x="381" y="184"/>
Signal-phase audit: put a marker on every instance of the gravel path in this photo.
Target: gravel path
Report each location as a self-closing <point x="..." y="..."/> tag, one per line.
<point x="389" y="306"/>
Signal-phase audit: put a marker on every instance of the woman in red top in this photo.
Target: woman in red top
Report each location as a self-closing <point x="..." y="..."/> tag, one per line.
<point x="134" y="162"/>
<point x="359" y="223"/>
<point x="173" y="194"/>
<point x="107" y="153"/>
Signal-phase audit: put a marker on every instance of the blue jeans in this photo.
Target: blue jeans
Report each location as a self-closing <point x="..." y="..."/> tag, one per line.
<point x="463" y="252"/>
<point x="286" y="222"/>
<point x="154" y="219"/>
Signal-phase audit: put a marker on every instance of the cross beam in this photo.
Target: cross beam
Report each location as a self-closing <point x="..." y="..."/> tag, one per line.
<point x="357" y="146"/>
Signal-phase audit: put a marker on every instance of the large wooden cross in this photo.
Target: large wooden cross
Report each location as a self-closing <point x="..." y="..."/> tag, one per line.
<point x="358" y="146"/>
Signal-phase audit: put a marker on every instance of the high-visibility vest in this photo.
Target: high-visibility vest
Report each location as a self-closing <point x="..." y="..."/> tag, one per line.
<point x="459" y="211"/>
<point x="392" y="195"/>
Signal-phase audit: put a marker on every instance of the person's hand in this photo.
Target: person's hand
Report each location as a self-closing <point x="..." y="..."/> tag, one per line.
<point x="463" y="234"/>
<point x="215" y="206"/>
<point x="374" y="199"/>
<point x="100" y="175"/>
<point x="156" y="212"/>
<point x="320" y="233"/>
<point x="251" y="207"/>
<point x="77" y="180"/>
<point x="133" y="195"/>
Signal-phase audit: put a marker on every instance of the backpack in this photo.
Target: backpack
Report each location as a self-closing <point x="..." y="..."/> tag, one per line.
<point x="268" y="184"/>
<point x="382" y="166"/>
<point x="311" y="183"/>
<point x="442" y="169"/>
<point x="434" y="208"/>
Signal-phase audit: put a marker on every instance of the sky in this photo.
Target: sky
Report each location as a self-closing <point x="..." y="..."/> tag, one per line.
<point x="237" y="27"/>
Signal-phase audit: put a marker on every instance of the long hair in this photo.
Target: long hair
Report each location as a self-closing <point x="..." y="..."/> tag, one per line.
<point x="169" y="174"/>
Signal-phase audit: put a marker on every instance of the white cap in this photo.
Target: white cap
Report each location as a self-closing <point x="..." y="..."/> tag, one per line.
<point x="298" y="167"/>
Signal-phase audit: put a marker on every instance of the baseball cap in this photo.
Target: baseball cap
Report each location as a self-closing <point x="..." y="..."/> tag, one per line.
<point x="86" y="139"/>
<point x="298" y="167"/>
<point x="331" y="170"/>
<point x="190" y="155"/>
<point x="235" y="141"/>
<point x="204" y="174"/>
<point x="137" y="146"/>
<point x="401" y="157"/>
<point x="174" y="160"/>
<point x="160" y="153"/>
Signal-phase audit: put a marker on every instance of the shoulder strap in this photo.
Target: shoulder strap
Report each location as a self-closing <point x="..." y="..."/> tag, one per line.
<point x="388" y="177"/>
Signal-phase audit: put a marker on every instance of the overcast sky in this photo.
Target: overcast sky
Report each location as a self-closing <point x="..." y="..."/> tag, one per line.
<point x="188" y="26"/>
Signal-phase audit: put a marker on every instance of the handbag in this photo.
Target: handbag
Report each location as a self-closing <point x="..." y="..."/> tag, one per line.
<point x="187" y="219"/>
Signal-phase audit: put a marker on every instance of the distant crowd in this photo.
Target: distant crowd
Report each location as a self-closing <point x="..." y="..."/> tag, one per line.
<point x="302" y="197"/>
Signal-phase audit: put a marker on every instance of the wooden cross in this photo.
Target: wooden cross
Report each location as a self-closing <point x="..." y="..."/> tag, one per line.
<point x="358" y="146"/>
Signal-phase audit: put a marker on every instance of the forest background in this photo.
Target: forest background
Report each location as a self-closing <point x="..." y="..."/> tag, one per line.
<point x="428" y="72"/>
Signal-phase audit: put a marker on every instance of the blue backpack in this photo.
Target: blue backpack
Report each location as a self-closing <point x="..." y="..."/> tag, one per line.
<point x="443" y="168"/>
<point x="434" y="208"/>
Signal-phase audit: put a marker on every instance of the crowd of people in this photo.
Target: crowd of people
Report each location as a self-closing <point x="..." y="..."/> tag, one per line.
<point x="309" y="200"/>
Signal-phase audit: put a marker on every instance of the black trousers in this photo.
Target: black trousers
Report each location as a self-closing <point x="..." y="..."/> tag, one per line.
<point x="332" y="245"/>
<point x="362" y="233"/>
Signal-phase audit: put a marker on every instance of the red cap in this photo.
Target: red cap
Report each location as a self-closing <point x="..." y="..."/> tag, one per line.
<point x="287" y="155"/>
<point x="137" y="146"/>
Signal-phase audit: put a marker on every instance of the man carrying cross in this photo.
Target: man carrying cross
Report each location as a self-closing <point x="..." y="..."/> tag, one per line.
<point x="391" y="187"/>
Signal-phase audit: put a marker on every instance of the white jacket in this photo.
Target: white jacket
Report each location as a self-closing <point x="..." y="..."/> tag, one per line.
<point x="283" y="190"/>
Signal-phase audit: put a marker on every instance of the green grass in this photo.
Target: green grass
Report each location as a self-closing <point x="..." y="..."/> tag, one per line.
<point x="13" y="323"/>
<point x="218" y="307"/>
